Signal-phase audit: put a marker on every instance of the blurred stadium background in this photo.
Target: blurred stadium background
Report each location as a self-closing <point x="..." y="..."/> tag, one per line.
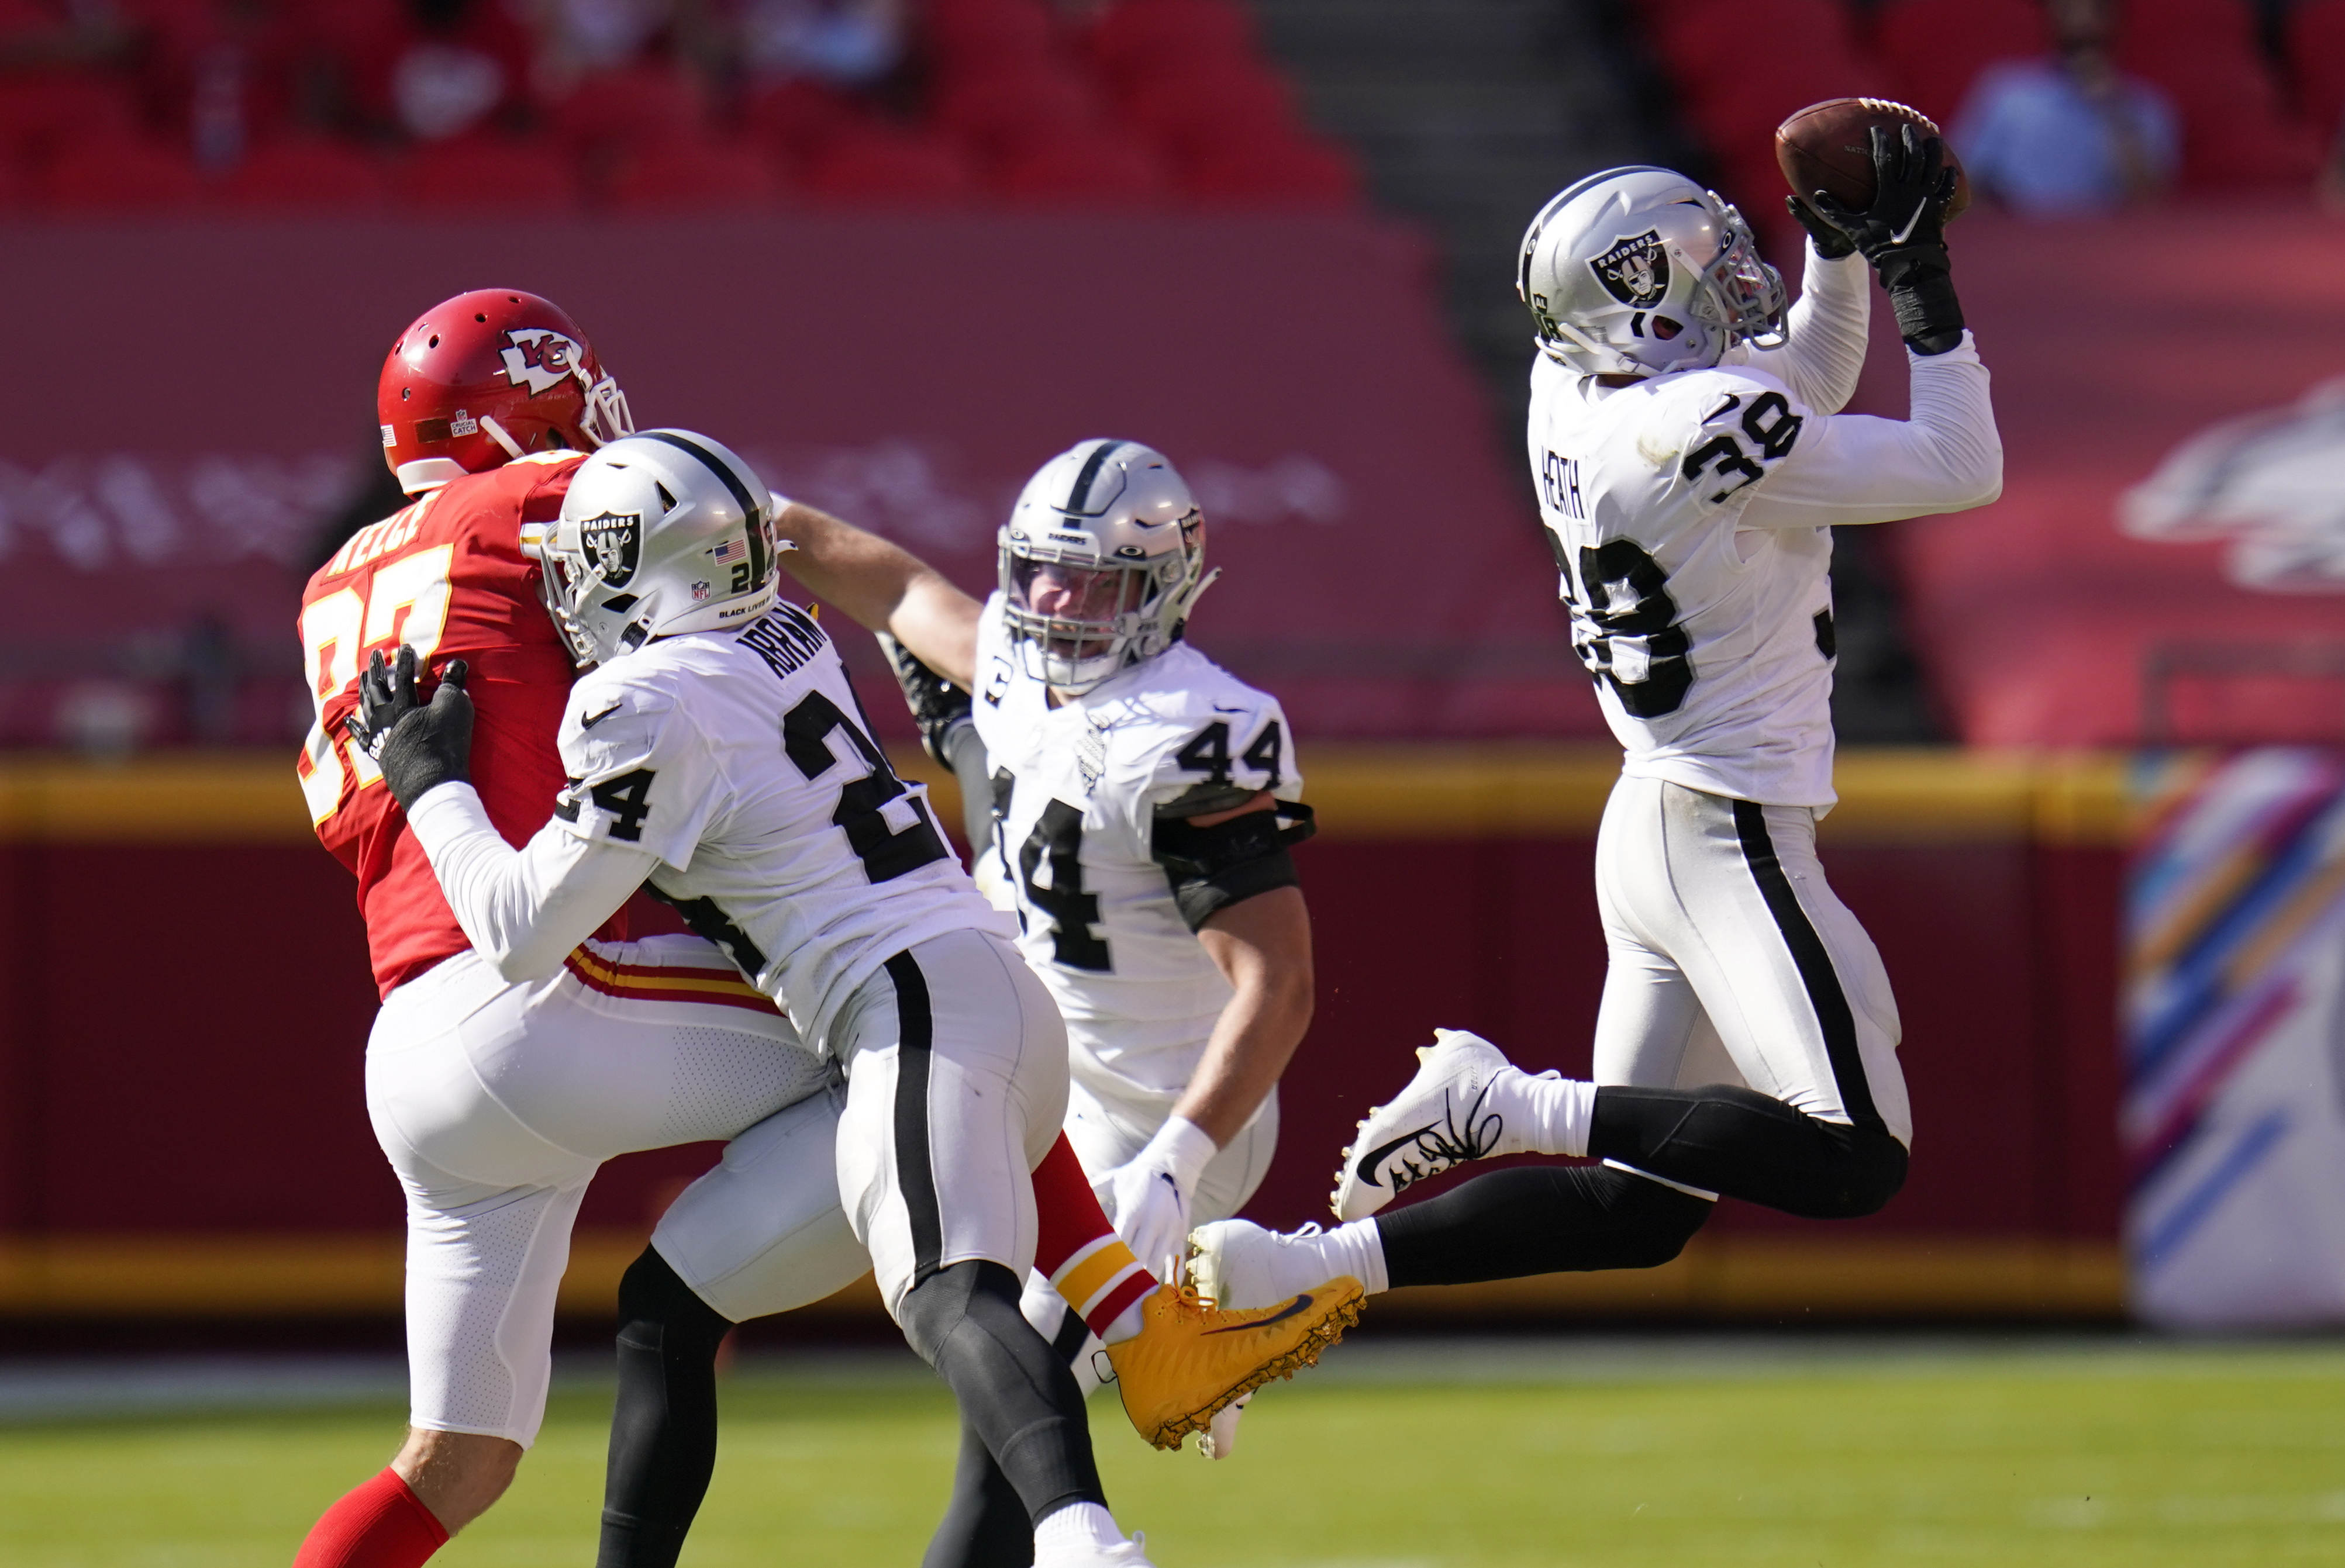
<point x="899" y="251"/>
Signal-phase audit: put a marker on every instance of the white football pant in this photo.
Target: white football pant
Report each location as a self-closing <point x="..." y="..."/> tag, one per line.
<point x="1732" y="961"/>
<point x="495" y="1102"/>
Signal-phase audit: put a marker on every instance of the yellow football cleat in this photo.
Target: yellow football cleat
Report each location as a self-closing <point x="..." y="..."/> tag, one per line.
<point x="1190" y="1359"/>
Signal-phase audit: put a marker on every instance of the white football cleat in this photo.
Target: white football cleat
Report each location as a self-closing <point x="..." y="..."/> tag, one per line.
<point x="1440" y="1121"/>
<point x="1132" y="1553"/>
<point x="1220" y="1439"/>
<point x="1238" y="1264"/>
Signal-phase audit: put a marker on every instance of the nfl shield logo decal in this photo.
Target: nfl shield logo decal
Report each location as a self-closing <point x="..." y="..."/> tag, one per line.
<point x="1635" y="271"/>
<point x="612" y="542"/>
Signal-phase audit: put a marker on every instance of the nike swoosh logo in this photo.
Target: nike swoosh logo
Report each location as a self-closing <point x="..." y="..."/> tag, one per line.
<point x="1166" y="1177"/>
<point x="1902" y="235"/>
<point x="1366" y="1168"/>
<point x="590" y="723"/>
<point x="1299" y="1306"/>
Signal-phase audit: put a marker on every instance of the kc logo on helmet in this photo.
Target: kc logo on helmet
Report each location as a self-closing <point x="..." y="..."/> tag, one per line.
<point x="541" y="357"/>
<point x="612" y="543"/>
<point x="1635" y="271"/>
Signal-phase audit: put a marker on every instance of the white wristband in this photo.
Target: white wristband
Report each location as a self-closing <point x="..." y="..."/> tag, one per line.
<point x="1182" y="1148"/>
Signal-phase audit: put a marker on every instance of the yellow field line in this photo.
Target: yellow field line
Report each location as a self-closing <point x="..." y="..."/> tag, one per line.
<point x="252" y="1275"/>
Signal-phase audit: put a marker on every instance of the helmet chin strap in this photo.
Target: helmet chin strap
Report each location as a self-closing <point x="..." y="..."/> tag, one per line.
<point x="497" y="434"/>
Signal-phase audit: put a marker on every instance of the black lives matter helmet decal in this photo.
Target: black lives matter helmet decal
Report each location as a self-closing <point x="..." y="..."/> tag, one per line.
<point x="1635" y="271"/>
<point x="612" y="544"/>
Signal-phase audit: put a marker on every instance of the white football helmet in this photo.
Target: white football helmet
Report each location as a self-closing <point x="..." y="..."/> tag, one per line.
<point x="1638" y="271"/>
<point x="662" y="532"/>
<point x="1101" y="560"/>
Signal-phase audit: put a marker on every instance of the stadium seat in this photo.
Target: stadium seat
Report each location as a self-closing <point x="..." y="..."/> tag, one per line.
<point x="694" y="174"/>
<point x="887" y="167"/>
<point x="979" y="36"/>
<point x="1184" y="115"/>
<point x="797" y="115"/>
<point x="1935" y="49"/>
<point x="1295" y="170"/>
<point x="487" y="174"/>
<point x="2236" y="124"/>
<point x="2316" y="48"/>
<point x="640" y="105"/>
<point x="1708" y="44"/>
<point x="39" y="111"/>
<point x="1142" y="39"/>
<point x="117" y="174"/>
<point x="306" y="172"/>
<point x="1002" y="109"/>
<point x="1084" y="169"/>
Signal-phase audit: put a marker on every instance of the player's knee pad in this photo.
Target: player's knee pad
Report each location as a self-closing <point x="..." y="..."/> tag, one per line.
<point x="1872" y="1170"/>
<point x="657" y="1311"/>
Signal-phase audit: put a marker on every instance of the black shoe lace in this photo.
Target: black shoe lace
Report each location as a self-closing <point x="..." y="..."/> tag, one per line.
<point x="1446" y="1144"/>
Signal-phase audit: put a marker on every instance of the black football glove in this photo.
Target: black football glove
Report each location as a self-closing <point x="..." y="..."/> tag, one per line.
<point x="1832" y="243"/>
<point x="419" y="744"/>
<point x="1902" y="235"/>
<point x="937" y="706"/>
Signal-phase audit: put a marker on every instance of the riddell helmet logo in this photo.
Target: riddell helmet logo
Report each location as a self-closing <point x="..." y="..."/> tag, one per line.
<point x="612" y="543"/>
<point x="541" y="357"/>
<point x="1635" y="271"/>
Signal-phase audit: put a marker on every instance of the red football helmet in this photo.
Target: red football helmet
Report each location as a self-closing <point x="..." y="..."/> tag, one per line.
<point x="485" y="376"/>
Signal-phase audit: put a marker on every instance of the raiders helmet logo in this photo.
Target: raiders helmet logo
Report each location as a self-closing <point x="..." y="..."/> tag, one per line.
<point x="541" y="357"/>
<point x="612" y="543"/>
<point x="1635" y="271"/>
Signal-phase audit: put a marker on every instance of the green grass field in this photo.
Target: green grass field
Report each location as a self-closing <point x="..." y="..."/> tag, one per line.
<point x="1550" y="1452"/>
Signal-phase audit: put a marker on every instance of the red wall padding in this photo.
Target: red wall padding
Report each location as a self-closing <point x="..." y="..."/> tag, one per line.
<point x="181" y="1028"/>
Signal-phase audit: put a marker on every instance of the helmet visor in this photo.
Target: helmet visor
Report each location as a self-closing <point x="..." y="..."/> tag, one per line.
<point x="1074" y="613"/>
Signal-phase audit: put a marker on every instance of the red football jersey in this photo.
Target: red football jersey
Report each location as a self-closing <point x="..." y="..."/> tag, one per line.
<point x="447" y="575"/>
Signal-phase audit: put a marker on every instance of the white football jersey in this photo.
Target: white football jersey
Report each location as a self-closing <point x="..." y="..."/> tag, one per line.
<point x="1072" y="856"/>
<point x="1710" y="643"/>
<point x="742" y="760"/>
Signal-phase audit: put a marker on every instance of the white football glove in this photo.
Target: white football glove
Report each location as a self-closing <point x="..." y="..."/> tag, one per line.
<point x="1149" y="1199"/>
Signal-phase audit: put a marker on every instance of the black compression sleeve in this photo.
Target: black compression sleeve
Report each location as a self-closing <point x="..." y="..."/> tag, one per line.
<point x="1538" y="1219"/>
<point x="664" y="1430"/>
<point x="1242" y="857"/>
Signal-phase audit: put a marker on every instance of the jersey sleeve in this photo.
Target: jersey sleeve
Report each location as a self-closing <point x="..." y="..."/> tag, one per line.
<point x="1856" y="469"/>
<point x="639" y="775"/>
<point x="1237" y="747"/>
<point x="1825" y="337"/>
<point x="1222" y="753"/>
<point x="1743" y="429"/>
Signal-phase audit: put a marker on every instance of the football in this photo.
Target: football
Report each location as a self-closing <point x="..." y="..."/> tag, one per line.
<point x="1825" y="148"/>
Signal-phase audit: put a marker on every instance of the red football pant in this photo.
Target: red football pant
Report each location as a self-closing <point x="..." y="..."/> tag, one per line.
<point x="1080" y="1252"/>
<point x="381" y="1523"/>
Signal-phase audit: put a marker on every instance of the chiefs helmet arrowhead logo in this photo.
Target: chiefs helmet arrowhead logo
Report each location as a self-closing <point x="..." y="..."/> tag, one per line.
<point x="541" y="357"/>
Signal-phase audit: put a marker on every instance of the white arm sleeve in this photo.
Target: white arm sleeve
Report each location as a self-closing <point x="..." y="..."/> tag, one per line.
<point x="525" y="909"/>
<point x="1824" y="350"/>
<point x="1852" y="468"/>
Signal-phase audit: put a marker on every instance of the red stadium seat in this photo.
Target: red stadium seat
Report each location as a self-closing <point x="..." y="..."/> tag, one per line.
<point x="1295" y="170"/>
<point x="1002" y="110"/>
<point x="975" y="36"/>
<point x="305" y="173"/>
<point x="1705" y="43"/>
<point x="1186" y="114"/>
<point x="15" y="190"/>
<point x="2316" y="48"/>
<point x="119" y="174"/>
<point x="670" y="176"/>
<point x="39" y="111"/>
<point x="1937" y="48"/>
<point x="488" y="174"/>
<point x="797" y="115"/>
<point x="639" y="105"/>
<point x="1092" y="168"/>
<point x="884" y="166"/>
<point x="1142" y="39"/>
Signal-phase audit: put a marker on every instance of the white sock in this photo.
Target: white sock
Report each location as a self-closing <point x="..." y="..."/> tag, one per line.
<point x="1127" y="1323"/>
<point x="1073" y="1528"/>
<point x="1357" y="1249"/>
<point x="1545" y="1113"/>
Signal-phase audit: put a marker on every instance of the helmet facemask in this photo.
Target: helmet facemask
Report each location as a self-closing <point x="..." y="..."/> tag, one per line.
<point x="1745" y="297"/>
<point x="1076" y="619"/>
